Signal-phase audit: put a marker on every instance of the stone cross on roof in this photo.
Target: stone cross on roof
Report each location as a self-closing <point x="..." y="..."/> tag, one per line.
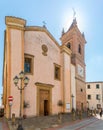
<point x="74" y="13"/>
<point x="44" y="24"/>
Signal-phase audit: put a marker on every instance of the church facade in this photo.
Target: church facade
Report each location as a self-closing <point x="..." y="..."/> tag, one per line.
<point x="56" y="72"/>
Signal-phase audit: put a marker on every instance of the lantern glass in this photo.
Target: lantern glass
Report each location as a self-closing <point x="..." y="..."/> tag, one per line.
<point x="16" y="79"/>
<point x="26" y="80"/>
<point x="21" y="74"/>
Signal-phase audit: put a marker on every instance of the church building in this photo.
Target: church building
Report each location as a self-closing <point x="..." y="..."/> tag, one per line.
<point x="56" y="72"/>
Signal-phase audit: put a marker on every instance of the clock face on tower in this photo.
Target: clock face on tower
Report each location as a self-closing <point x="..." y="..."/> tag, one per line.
<point x="80" y="71"/>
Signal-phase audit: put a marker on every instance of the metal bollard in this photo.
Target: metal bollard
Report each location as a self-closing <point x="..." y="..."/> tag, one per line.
<point x="13" y="119"/>
<point x="95" y="112"/>
<point x="59" y="117"/>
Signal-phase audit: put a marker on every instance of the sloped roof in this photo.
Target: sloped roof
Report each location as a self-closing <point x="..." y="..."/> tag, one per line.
<point x="42" y="29"/>
<point x="21" y="24"/>
<point x="74" y="25"/>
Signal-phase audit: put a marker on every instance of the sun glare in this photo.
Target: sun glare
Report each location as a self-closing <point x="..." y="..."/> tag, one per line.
<point x="68" y="19"/>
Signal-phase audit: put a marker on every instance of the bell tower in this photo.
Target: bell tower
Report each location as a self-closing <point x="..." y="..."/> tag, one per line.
<point x="75" y="41"/>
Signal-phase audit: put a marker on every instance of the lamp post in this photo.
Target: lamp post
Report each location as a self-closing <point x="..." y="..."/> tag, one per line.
<point x="73" y="111"/>
<point x="23" y="83"/>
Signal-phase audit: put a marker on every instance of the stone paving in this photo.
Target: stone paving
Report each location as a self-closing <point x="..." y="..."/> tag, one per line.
<point x="3" y="124"/>
<point x="45" y="122"/>
<point x="79" y="125"/>
<point x="92" y="123"/>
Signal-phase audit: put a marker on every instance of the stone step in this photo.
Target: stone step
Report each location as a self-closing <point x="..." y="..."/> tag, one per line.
<point x="43" y="122"/>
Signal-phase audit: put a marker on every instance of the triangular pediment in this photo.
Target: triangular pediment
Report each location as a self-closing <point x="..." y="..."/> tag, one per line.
<point x="42" y="29"/>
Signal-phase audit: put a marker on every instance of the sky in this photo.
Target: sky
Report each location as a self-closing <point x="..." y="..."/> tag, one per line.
<point x="58" y="14"/>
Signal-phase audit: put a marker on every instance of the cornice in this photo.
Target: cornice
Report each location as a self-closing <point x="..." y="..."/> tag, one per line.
<point x="14" y="21"/>
<point x="75" y="56"/>
<point x="94" y="82"/>
<point x="66" y="50"/>
<point x="80" y="79"/>
<point x="44" y="84"/>
<point x="18" y="23"/>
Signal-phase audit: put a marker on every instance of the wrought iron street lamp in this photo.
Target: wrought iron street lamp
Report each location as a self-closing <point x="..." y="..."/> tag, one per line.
<point x="23" y="83"/>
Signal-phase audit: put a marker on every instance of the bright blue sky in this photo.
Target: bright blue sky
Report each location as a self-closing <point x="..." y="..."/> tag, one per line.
<point x="58" y="14"/>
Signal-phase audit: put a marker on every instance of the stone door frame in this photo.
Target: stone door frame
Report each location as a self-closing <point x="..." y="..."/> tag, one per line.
<point x="45" y="87"/>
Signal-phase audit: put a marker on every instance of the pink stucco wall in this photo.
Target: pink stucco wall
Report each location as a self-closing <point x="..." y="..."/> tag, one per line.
<point x="43" y="68"/>
<point x="16" y="61"/>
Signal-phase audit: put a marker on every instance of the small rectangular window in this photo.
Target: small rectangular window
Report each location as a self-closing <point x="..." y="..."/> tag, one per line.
<point x="89" y="96"/>
<point x="98" y="97"/>
<point x="88" y="86"/>
<point x="28" y="64"/>
<point x="79" y="49"/>
<point x="57" y="72"/>
<point x="97" y="86"/>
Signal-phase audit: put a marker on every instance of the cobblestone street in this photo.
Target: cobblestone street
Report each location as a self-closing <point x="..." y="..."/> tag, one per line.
<point x="47" y="122"/>
<point x="51" y="123"/>
<point x="94" y="123"/>
<point x="3" y="124"/>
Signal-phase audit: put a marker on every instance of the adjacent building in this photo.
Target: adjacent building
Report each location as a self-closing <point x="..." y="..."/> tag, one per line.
<point x="94" y="92"/>
<point x="56" y="72"/>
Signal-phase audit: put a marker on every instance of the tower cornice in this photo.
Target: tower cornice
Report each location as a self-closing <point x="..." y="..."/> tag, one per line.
<point x="14" y="21"/>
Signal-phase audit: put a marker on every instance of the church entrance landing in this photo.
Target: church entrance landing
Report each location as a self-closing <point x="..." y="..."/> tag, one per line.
<point x="44" y="96"/>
